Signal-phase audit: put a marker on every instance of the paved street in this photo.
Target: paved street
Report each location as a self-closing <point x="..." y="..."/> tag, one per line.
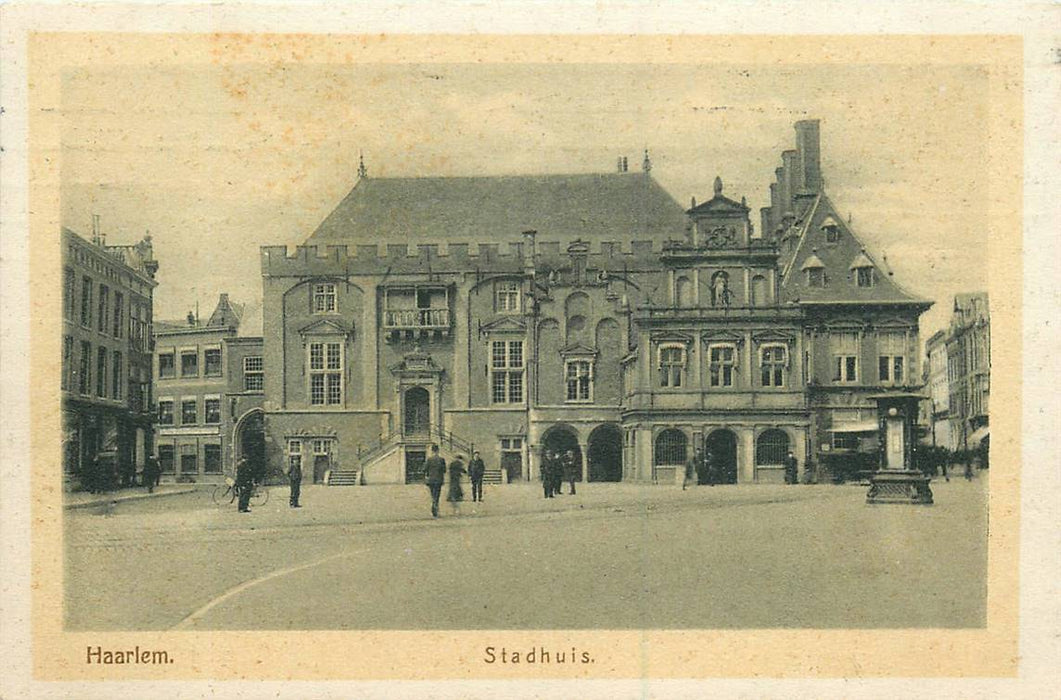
<point x="613" y="556"/>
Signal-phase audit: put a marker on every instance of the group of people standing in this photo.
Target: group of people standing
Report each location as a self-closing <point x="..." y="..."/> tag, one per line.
<point x="704" y="468"/>
<point x="556" y="469"/>
<point x="435" y="472"/>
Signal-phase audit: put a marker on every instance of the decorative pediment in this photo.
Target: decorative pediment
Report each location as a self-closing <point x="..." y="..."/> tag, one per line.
<point x="672" y="337"/>
<point x="578" y="350"/>
<point x="773" y="336"/>
<point x="326" y="326"/>
<point x="712" y="337"/>
<point x="894" y="323"/>
<point x="416" y="363"/>
<point x="503" y="324"/>
<point x="846" y="324"/>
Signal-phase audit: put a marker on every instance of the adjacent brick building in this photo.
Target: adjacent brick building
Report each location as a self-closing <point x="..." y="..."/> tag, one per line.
<point x="106" y="358"/>
<point x="209" y="389"/>
<point x="589" y="313"/>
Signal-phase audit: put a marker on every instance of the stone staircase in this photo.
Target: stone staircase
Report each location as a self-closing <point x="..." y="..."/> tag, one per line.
<point x="493" y="476"/>
<point x="344" y="477"/>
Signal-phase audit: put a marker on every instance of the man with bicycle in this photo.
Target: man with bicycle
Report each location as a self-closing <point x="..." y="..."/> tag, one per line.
<point x="244" y="484"/>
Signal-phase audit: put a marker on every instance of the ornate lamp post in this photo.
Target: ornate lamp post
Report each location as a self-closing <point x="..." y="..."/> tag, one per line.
<point x="897" y="481"/>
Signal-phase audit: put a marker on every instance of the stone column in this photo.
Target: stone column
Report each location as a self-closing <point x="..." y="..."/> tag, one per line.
<point x="643" y="464"/>
<point x="584" y="446"/>
<point x="745" y="455"/>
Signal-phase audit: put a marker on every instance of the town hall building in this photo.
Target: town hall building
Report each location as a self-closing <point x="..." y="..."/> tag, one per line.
<point x="520" y="315"/>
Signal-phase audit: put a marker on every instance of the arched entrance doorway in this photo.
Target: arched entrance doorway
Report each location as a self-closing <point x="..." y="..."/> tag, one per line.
<point x="604" y="453"/>
<point x="250" y="440"/>
<point x="561" y="439"/>
<point x="417" y="410"/>
<point x="721" y="445"/>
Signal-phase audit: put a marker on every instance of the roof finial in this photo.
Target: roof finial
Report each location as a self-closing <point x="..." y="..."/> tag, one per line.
<point x="646" y="164"/>
<point x="718" y="186"/>
<point x="362" y="171"/>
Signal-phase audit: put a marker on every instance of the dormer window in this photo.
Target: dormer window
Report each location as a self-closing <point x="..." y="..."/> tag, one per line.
<point x="814" y="268"/>
<point x="862" y="268"/>
<point x="831" y="229"/>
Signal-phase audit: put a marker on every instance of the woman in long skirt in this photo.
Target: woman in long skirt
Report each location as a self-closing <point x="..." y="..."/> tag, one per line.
<point x="456" y="493"/>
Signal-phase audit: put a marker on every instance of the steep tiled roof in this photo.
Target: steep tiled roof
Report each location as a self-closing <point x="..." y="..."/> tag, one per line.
<point x="593" y="207"/>
<point x="838" y="258"/>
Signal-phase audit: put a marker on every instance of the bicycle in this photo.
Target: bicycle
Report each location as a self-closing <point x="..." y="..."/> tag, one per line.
<point x="226" y="494"/>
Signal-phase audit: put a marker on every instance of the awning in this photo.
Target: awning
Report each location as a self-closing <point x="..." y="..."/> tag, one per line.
<point x="977" y="436"/>
<point x="863" y="427"/>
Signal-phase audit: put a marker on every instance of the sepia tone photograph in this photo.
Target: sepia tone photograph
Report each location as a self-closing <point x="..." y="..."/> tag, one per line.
<point x="432" y="346"/>
<point x="368" y="356"/>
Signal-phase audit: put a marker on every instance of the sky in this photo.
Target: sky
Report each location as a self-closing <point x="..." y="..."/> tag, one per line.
<point x="216" y="160"/>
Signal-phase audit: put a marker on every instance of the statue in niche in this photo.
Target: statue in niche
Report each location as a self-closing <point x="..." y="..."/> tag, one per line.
<point x="720" y="294"/>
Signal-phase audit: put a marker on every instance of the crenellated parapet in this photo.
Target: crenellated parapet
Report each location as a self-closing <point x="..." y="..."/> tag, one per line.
<point x="398" y="258"/>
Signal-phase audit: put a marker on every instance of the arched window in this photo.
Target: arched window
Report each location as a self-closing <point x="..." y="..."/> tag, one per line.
<point x="671" y="447"/>
<point x="771" y="448"/>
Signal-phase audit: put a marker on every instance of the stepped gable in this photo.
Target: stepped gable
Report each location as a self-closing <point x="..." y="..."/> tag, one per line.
<point x="592" y="207"/>
<point x="811" y="239"/>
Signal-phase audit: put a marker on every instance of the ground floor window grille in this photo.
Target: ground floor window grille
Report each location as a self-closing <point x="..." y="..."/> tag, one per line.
<point x="671" y="447"/>
<point x="771" y="447"/>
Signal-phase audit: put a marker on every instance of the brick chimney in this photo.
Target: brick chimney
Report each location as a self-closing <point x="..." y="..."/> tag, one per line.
<point x="808" y="148"/>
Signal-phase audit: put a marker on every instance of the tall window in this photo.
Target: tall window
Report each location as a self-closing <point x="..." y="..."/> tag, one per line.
<point x="253" y="374"/>
<point x="723" y="359"/>
<point x="68" y="358"/>
<point x="165" y="459"/>
<point x="671" y="365"/>
<point x="102" y="317"/>
<point x="506" y="367"/>
<point x="508" y="296"/>
<point x="119" y="318"/>
<point x="189" y="412"/>
<point x="891" y="349"/>
<point x="116" y="375"/>
<point x="212" y="458"/>
<point x="294" y="454"/>
<point x="165" y="411"/>
<point x="166" y="369"/>
<point x="774" y="359"/>
<point x="86" y="302"/>
<point x="212" y="362"/>
<point x="189" y="363"/>
<point x="845" y="357"/>
<point x="323" y="298"/>
<point x="212" y="411"/>
<point x="579" y="375"/>
<point x="325" y="374"/>
<point x="189" y="460"/>
<point x="101" y="371"/>
<point x="69" y="293"/>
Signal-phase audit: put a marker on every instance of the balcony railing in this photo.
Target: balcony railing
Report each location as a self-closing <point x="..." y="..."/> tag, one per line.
<point x="416" y="318"/>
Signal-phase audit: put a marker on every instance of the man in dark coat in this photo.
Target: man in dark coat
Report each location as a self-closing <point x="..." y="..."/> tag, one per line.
<point x="693" y="468"/>
<point x="548" y="461"/>
<point x="244" y="484"/>
<point x="151" y="472"/>
<point x="294" y="477"/>
<point x="570" y="470"/>
<point x="791" y="469"/>
<point x="434" y="475"/>
<point x="476" y="469"/>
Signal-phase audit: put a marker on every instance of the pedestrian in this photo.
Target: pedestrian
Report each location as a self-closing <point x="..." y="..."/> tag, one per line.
<point x="558" y="473"/>
<point x="434" y="473"/>
<point x="710" y="469"/>
<point x="456" y="493"/>
<point x="547" y="473"/>
<point x="476" y="469"/>
<point x="294" y="478"/>
<point x="151" y="470"/>
<point x="570" y="467"/>
<point x="244" y="483"/>
<point x="692" y="468"/>
<point x="791" y="469"/>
